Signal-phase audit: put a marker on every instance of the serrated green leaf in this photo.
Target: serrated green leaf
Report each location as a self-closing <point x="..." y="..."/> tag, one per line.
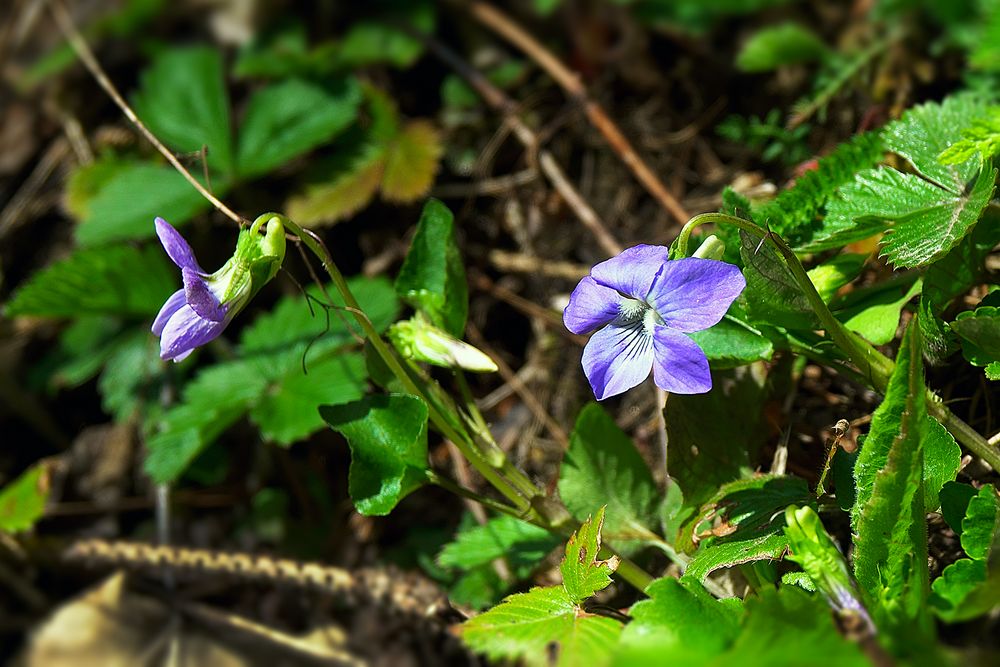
<point x="890" y="558"/>
<point x="876" y="316"/>
<point x="432" y="278"/>
<point x="86" y="180"/>
<point x="213" y="401"/>
<point x="183" y="100"/>
<point x="979" y="331"/>
<point x="981" y="523"/>
<point x="341" y="197"/>
<point x="772" y="295"/>
<point x="732" y="343"/>
<point x="127" y="204"/>
<point x="518" y="542"/>
<point x="753" y="512"/>
<point x="981" y="137"/>
<point x="955" y="498"/>
<point x="682" y="615"/>
<point x="292" y="117"/>
<point x="296" y="332"/>
<point x="375" y="42"/>
<point x="993" y="371"/>
<point x="114" y="280"/>
<point x="527" y="625"/>
<point x="388" y="439"/>
<point x="926" y="130"/>
<point x="603" y="467"/>
<point x="22" y="501"/>
<point x="411" y="162"/>
<point x="582" y="572"/>
<point x="775" y="46"/>
<point x="940" y="454"/>
<point x="288" y="410"/>
<point x="714" y="437"/>
<point x="83" y="348"/>
<point x="132" y="375"/>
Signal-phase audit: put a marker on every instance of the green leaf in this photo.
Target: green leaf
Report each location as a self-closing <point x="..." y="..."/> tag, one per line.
<point x="521" y="544"/>
<point x="183" y="100"/>
<point x="376" y="42"/>
<point x="292" y="117"/>
<point x="432" y="278"/>
<point x="411" y="162"/>
<point x="981" y="523"/>
<point x="940" y="454"/>
<point x="955" y="498"/>
<point x="993" y="371"/>
<point x="603" y="467"/>
<point x="876" y="315"/>
<point x="213" y="401"/>
<point x="926" y="130"/>
<point x="526" y="625"/>
<point x="22" y="501"/>
<point x="752" y="513"/>
<point x="785" y="44"/>
<point x="732" y="343"/>
<point x="124" y="208"/>
<point x="789" y="626"/>
<point x="297" y="332"/>
<point x="343" y="195"/>
<point x="979" y="331"/>
<point x="890" y="557"/>
<point x="682" y="615"/>
<point x="288" y="411"/>
<point x="87" y="180"/>
<point x="114" y="280"/>
<point x="84" y="346"/>
<point x="714" y="436"/>
<point x="772" y="295"/>
<point x="981" y="137"/>
<point x="133" y="375"/>
<point x="388" y="440"/>
<point x="836" y="272"/>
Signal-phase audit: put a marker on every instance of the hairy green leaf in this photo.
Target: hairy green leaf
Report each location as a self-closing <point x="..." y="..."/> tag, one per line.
<point x="432" y="278"/>
<point x="292" y="117"/>
<point x="521" y="544"/>
<point x="603" y="467"/>
<point x="388" y="439"/>
<point x="890" y="561"/>
<point x="183" y="100"/>
<point x="113" y="280"/>
<point x="732" y="343"/>
<point x="981" y="137"/>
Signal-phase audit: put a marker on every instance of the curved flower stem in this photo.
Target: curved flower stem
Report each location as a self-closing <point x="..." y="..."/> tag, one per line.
<point x="873" y="365"/>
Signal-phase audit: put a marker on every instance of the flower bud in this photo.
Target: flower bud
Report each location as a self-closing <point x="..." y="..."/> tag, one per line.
<point x="416" y="338"/>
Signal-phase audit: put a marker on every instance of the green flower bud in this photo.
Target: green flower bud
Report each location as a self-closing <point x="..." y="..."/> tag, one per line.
<point x="416" y="338"/>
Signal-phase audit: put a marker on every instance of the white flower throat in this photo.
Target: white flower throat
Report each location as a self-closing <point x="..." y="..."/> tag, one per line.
<point x="638" y="315"/>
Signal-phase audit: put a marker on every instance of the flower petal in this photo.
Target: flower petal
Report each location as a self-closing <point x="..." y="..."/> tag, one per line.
<point x="591" y="305"/>
<point x="633" y="271"/>
<point x="170" y="306"/>
<point x="692" y="294"/>
<point x="201" y="298"/>
<point x="618" y="358"/>
<point x="680" y="366"/>
<point x="185" y="331"/>
<point x="177" y="248"/>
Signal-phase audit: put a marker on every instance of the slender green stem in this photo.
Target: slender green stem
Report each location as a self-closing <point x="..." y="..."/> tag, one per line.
<point x="449" y="485"/>
<point x="873" y="365"/>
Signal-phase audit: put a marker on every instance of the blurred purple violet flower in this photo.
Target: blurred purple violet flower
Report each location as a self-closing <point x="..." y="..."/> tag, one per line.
<point x="644" y="305"/>
<point x="199" y="312"/>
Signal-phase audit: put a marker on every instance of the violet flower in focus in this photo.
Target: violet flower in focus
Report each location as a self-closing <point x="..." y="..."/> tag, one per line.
<point x="201" y="311"/>
<point x="642" y="306"/>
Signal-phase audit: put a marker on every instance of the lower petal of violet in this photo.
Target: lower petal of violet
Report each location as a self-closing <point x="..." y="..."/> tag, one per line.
<point x="185" y="331"/>
<point x="679" y="364"/>
<point x="171" y="306"/>
<point x="617" y="358"/>
<point x="591" y="306"/>
<point x="201" y="298"/>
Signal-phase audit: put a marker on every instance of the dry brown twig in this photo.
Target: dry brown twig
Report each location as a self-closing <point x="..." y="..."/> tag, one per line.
<point x="504" y="26"/>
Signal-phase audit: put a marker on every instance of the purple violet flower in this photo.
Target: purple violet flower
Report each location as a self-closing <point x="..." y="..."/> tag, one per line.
<point x="204" y="307"/>
<point x="644" y="305"/>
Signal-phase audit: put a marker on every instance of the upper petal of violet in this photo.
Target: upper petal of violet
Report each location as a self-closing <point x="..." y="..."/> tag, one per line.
<point x="633" y="271"/>
<point x="177" y="248"/>
<point x="692" y="294"/>
<point x="679" y="365"/>
<point x="591" y="306"/>
<point x="617" y="358"/>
